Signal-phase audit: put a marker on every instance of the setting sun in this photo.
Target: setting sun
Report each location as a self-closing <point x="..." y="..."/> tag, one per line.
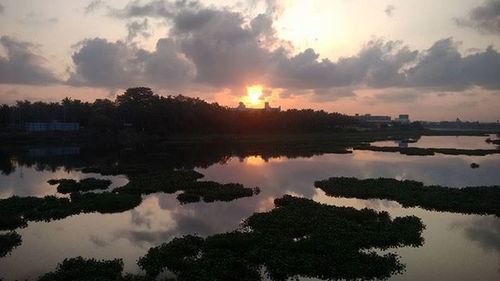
<point x="254" y="93"/>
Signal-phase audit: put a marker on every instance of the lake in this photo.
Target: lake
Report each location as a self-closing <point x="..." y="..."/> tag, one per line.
<point x="456" y="247"/>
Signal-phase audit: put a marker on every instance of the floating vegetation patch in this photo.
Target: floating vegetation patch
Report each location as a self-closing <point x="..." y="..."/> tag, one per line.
<point x="66" y="186"/>
<point x="429" y="151"/>
<point x="494" y="141"/>
<point x="299" y="237"/>
<point x="8" y="242"/>
<point x="86" y="269"/>
<point x="468" y="200"/>
<point x="187" y="182"/>
<point x="16" y="211"/>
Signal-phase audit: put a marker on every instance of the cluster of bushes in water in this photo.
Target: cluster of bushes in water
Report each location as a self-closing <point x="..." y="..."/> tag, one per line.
<point x="297" y="238"/>
<point x="429" y="151"/>
<point x="17" y="211"/>
<point x="8" y="241"/>
<point x="70" y="185"/>
<point x="469" y="200"/>
<point x="187" y="182"/>
<point x="494" y="141"/>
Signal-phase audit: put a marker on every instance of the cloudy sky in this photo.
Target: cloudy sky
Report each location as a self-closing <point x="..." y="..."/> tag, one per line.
<point x="432" y="59"/>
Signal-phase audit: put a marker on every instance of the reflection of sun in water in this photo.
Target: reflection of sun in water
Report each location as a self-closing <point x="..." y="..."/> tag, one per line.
<point x="254" y="93"/>
<point x="254" y="160"/>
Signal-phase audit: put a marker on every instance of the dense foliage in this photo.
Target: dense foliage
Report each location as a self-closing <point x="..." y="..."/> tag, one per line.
<point x="469" y="200"/>
<point x="17" y="211"/>
<point x="70" y="185"/>
<point x="298" y="238"/>
<point x="187" y="182"/>
<point x="8" y="242"/>
<point x="143" y="110"/>
<point x="86" y="270"/>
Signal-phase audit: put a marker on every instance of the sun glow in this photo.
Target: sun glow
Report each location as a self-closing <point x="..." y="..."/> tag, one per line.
<point x="254" y="94"/>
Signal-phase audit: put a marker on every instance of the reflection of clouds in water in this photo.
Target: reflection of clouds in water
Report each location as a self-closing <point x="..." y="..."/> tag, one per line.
<point x="30" y="181"/>
<point x="145" y="238"/>
<point x="138" y="219"/>
<point x="161" y="218"/>
<point x="98" y="241"/>
<point x="298" y="175"/>
<point x="484" y="230"/>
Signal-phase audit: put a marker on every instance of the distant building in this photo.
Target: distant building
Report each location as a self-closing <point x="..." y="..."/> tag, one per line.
<point x="403" y="119"/>
<point x="52" y="126"/>
<point x="267" y="107"/>
<point x="242" y="107"/>
<point x="374" y="119"/>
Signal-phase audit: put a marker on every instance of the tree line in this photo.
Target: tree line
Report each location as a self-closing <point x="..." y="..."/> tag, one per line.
<point x="142" y="110"/>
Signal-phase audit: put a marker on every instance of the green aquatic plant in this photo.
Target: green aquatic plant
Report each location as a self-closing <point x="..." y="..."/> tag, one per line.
<point x="297" y="238"/>
<point x="8" y="242"/>
<point x="468" y="200"/>
<point x="70" y="185"/>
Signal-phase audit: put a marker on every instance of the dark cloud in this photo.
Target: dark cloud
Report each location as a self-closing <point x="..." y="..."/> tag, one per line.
<point x="443" y="67"/>
<point x="485" y="231"/>
<point x="484" y="18"/>
<point x="389" y="10"/>
<point x="219" y="48"/>
<point x="100" y="63"/>
<point x="378" y="64"/>
<point x="225" y="52"/>
<point x="154" y="9"/>
<point x="93" y="6"/>
<point x="22" y="65"/>
<point x="137" y="28"/>
<point x="98" y="241"/>
<point x="2" y="9"/>
<point x="36" y="18"/>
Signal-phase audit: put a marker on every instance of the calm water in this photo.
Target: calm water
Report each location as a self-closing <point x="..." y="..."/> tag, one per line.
<point x="457" y="247"/>
<point x="459" y="142"/>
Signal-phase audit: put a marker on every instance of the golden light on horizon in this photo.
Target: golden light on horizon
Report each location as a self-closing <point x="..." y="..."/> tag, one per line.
<point x="254" y="94"/>
<point x="255" y="160"/>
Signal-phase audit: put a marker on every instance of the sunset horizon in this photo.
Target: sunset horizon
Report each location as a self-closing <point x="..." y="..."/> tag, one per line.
<point x="366" y="57"/>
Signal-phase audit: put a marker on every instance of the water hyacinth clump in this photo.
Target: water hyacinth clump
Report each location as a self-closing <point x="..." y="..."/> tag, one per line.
<point x="299" y="237"/>
<point x="468" y="200"/>
<point x="66" y="186"/>
<point x="8" y="242"/>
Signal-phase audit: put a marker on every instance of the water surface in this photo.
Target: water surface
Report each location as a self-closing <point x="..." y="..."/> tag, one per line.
<point x="457" y="247"/>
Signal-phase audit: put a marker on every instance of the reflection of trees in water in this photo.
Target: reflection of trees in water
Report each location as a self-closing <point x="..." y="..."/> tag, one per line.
<point x="201" y="154"/>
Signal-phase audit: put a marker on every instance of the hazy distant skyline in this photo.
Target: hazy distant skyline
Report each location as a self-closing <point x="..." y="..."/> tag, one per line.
<point x="436" y="60"/>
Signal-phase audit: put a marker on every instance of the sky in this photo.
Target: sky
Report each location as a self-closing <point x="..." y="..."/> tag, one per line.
<point x="434" y="60"/>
